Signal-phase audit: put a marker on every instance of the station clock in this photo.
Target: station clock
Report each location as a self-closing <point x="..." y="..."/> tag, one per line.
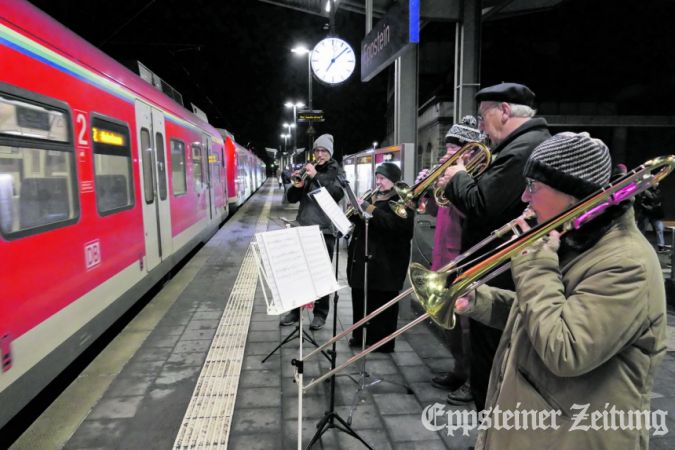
<point x="333" y="60"/>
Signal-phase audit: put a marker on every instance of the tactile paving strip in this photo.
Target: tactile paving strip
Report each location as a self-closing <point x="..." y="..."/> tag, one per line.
<point x="207" y="421"/>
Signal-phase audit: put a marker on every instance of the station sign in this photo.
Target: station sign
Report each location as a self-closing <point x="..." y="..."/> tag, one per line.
<point x="311" y="115"/>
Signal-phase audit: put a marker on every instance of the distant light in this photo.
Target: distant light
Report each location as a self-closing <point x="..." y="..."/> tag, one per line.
<point x="374" y="144"/>
<point x="300" y="105"/>
<point x="285" y="124"/>
<point x="300" y="49"/>
<point x="328" y="2"/>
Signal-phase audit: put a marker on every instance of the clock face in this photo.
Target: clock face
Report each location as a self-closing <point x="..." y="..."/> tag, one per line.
<point x="333" y="60"/>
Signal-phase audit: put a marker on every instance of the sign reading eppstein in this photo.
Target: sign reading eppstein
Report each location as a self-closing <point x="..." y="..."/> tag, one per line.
<point x="389" y="38"/>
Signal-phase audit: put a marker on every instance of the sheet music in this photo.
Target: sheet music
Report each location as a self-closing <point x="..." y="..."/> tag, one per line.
<point x="332" y="210"/>
<point x="267" y="270"/>
<point x="297" y="266"/>
<point x="318" y="261"/>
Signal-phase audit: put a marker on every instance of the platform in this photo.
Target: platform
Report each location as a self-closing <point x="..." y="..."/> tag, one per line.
<point x="187" y="371"/>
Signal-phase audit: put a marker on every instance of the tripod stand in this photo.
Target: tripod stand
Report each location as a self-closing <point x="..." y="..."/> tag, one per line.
<point x="330" y="417"/>
<point x="364" y="375"/>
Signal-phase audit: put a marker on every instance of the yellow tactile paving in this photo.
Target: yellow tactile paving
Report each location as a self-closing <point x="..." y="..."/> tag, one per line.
<point x="207" y="421"/>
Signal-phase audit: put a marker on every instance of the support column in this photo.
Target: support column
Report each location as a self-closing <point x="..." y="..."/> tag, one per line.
<point x="467" y="58"/>
<point x="405" y="108"/>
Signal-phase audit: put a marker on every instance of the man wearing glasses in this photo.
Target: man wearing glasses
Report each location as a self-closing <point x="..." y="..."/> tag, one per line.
<point x="323" y="172"/>
<point x="505" y="114"/>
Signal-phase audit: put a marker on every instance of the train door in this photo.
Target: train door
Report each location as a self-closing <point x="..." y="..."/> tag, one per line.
<point x="152" y="155"/>
<point x="208" y="157"/>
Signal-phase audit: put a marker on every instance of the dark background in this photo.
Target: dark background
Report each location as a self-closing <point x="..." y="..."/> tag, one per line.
<point x="232" y="59"/>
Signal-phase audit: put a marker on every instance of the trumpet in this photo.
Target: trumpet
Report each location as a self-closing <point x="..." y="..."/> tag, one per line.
<point x="370" y="193"/>
<point x="302" y="174"/>
<point x="438" y="291"/>
<point x="478" y="160"/>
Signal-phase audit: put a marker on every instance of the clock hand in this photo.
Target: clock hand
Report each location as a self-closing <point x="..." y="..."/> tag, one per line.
<point x="336" y="57"/>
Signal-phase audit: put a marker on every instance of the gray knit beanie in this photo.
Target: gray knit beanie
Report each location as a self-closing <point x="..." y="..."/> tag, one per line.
<point x="324" y="141"/>
<point x="573" y="163"/>
<point x="464" y="132"/>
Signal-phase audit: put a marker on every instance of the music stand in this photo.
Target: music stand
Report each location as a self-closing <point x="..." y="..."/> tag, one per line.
<point x="332" y="419"/>
<point x="328" y="420"/>
<point x="366" y="216"/>
<point x="295" y="334"/>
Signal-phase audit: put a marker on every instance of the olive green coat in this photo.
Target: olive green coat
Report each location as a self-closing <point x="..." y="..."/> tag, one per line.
<point x="589" y="333"/>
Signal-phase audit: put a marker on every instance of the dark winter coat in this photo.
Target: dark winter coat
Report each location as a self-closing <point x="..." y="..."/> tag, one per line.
<point x="649" y="204"/>
<point x="493" y="198"/>
<point x="388" y="244"/>
<point x="310" y="213"/>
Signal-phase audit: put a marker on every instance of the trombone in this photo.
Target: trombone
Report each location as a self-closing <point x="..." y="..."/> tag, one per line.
<point x="438" y="291"/>
<point x="367" y="196"/>
<point x="479" y="160"/>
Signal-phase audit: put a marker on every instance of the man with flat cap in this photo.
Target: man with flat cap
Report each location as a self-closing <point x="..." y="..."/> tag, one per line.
<point x="506" y="114"/>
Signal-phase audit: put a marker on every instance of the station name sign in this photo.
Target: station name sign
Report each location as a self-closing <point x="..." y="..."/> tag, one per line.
<point x="390" y="37"/>
<point x="311" y="115"/>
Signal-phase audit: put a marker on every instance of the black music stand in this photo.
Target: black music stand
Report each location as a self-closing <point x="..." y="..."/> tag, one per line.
<point x="328" y="420"/>
<point x="363" y="385"/>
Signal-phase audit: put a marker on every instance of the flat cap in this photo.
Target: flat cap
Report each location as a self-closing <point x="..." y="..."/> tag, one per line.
<point x="507" y="92"/>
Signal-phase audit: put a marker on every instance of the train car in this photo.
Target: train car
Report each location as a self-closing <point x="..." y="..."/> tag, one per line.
<point x="105" y="184"/>
<point x="245" y="171"/>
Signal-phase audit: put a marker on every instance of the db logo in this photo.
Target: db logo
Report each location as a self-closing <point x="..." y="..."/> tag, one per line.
<point x="92" y="254"/>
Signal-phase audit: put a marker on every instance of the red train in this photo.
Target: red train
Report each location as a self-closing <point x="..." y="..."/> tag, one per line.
<point x="105" y="184"/>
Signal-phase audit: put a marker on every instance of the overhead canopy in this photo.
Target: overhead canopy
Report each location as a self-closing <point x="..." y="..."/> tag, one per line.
<point x="430" y="9"/>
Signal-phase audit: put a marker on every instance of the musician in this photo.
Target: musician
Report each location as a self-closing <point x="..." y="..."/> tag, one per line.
<point x="447" y="245"/>
<point x="506" y="115"/>
<point x="389" y="239"/>
<point x="586" y="324"/>
<point x="323" y="173"/>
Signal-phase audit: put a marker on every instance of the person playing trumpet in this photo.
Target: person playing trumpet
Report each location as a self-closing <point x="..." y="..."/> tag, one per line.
<point x="585" y="328"/>
<point x="505" y="114"/>
<point x="447" y="245"/>
<point x="323" y="173"/>
<point x="389" y="239"/>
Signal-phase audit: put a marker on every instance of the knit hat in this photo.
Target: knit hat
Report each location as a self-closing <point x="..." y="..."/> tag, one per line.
<point x="463" y="132"/>
<point x="575" y="164"/>
<point x="390" y="171"/>
<point x="507" y="92"/>
<point x="325" y="141"/>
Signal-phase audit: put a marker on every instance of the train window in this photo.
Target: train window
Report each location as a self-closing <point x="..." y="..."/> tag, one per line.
<point x="148" y="166"/>
<point x="38" y="178"/>
<point x="161" y="165"/>
<point x="112" y="166"/>
<point x="197" y="173"/>
<point x="21" y="118"/>
<point x="178" y="173"/>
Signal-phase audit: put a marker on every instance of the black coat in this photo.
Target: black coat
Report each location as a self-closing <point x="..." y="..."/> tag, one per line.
<point x="649" y="204"/>
<point x="310" y="213"/>
<point x="388" y="244"/>
<point x="493" y="198"/>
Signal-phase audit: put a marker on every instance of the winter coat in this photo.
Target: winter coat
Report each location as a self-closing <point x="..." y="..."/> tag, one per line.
<point x="493" y="198"/>
<point x="587" y="331"/>
<point x="310" y="213"/>
<point x="389" y="239"/>
<point x="650" y="205"/>
<point x="447" y="237"/>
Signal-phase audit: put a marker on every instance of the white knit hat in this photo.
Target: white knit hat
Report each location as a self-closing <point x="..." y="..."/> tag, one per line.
<point x="464" y="132"/>
<point x="324" y="141"/>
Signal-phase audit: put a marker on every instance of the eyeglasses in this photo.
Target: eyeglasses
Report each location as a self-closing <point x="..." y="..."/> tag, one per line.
<point x="530" y="186"/>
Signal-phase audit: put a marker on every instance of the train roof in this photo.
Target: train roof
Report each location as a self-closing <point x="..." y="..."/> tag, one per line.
<point x="26" y="19"/>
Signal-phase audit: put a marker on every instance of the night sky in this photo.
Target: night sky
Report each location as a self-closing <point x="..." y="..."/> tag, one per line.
<point x="232" y="59"/>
